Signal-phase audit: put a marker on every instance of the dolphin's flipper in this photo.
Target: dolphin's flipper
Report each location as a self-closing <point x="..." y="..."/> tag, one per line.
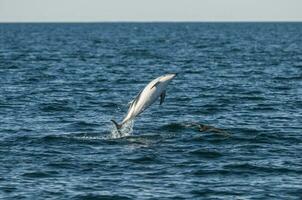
<point x="158" y="82"/>
<point x="162" y="97"/>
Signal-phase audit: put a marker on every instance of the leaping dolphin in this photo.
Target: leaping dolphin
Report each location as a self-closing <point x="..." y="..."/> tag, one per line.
<point x="146" y="97"/>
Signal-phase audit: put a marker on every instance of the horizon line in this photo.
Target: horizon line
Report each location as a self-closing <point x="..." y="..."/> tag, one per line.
<point x="156" y="21"/>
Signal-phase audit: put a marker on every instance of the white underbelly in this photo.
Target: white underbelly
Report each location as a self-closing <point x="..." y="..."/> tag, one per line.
<point x="146" y="99"/>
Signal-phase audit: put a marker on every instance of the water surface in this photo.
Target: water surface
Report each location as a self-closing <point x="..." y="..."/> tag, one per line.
<point x="62" y="83"/>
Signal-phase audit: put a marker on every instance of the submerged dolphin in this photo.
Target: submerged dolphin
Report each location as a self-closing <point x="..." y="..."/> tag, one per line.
<point x="146" y="97"/>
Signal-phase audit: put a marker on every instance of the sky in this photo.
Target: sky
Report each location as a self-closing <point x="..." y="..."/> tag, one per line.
<point x="149" y="10"/>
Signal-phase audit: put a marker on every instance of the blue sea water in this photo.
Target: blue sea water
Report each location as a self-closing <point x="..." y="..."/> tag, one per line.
<point x="60" y="84"/>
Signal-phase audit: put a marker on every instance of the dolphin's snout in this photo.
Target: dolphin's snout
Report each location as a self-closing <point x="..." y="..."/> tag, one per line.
<point x="172" y="75"/>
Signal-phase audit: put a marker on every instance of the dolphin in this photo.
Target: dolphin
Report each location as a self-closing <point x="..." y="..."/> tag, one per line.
<point x="155" y="89"/>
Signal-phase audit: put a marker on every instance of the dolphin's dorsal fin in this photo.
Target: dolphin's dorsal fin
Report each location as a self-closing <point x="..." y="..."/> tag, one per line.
<point x="155" y="84"/>
<point x="162" y="97"/>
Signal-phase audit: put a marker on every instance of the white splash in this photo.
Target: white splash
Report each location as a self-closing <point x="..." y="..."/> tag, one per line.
<point x="126" y="130"/>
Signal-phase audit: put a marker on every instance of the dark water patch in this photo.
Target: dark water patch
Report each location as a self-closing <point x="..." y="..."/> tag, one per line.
<point x="209" y="138"/>
<point x="96" y="41"/>
<point x="252" y="98"/>
<point x="288" y="78"/>
<point x="205" y="154"/>
<point x="109" y="105"/>
<point x="246" y="167"/>
<point x="60" y="165"/>
<point x="53" y="138"/>
<point x="206" y="192"/>
<point x="210" y="109"/>
<point x="55" y="107"/>
<point x="8" y="189"/>
<point x="220" y="172"/>
<point x="18" y="196"/>
<point x="92" y="196"/>
<point x="9" y="131"/>
<point x="255" y="139"/>
<point x="201" y="46"/>
<point x="147" y="159"/>
<point x="141" y="54"/>
<point x="20" y="140"/>
<point x="40" y="174"/>
<point x="83" y="125"/>
<point x="173" y="127"/>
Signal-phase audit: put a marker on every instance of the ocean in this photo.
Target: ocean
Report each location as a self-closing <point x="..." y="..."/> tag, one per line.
<point x="61" y="84"/>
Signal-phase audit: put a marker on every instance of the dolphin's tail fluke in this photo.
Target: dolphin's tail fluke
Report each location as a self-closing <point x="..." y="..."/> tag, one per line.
<point x="118" y="126"/>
